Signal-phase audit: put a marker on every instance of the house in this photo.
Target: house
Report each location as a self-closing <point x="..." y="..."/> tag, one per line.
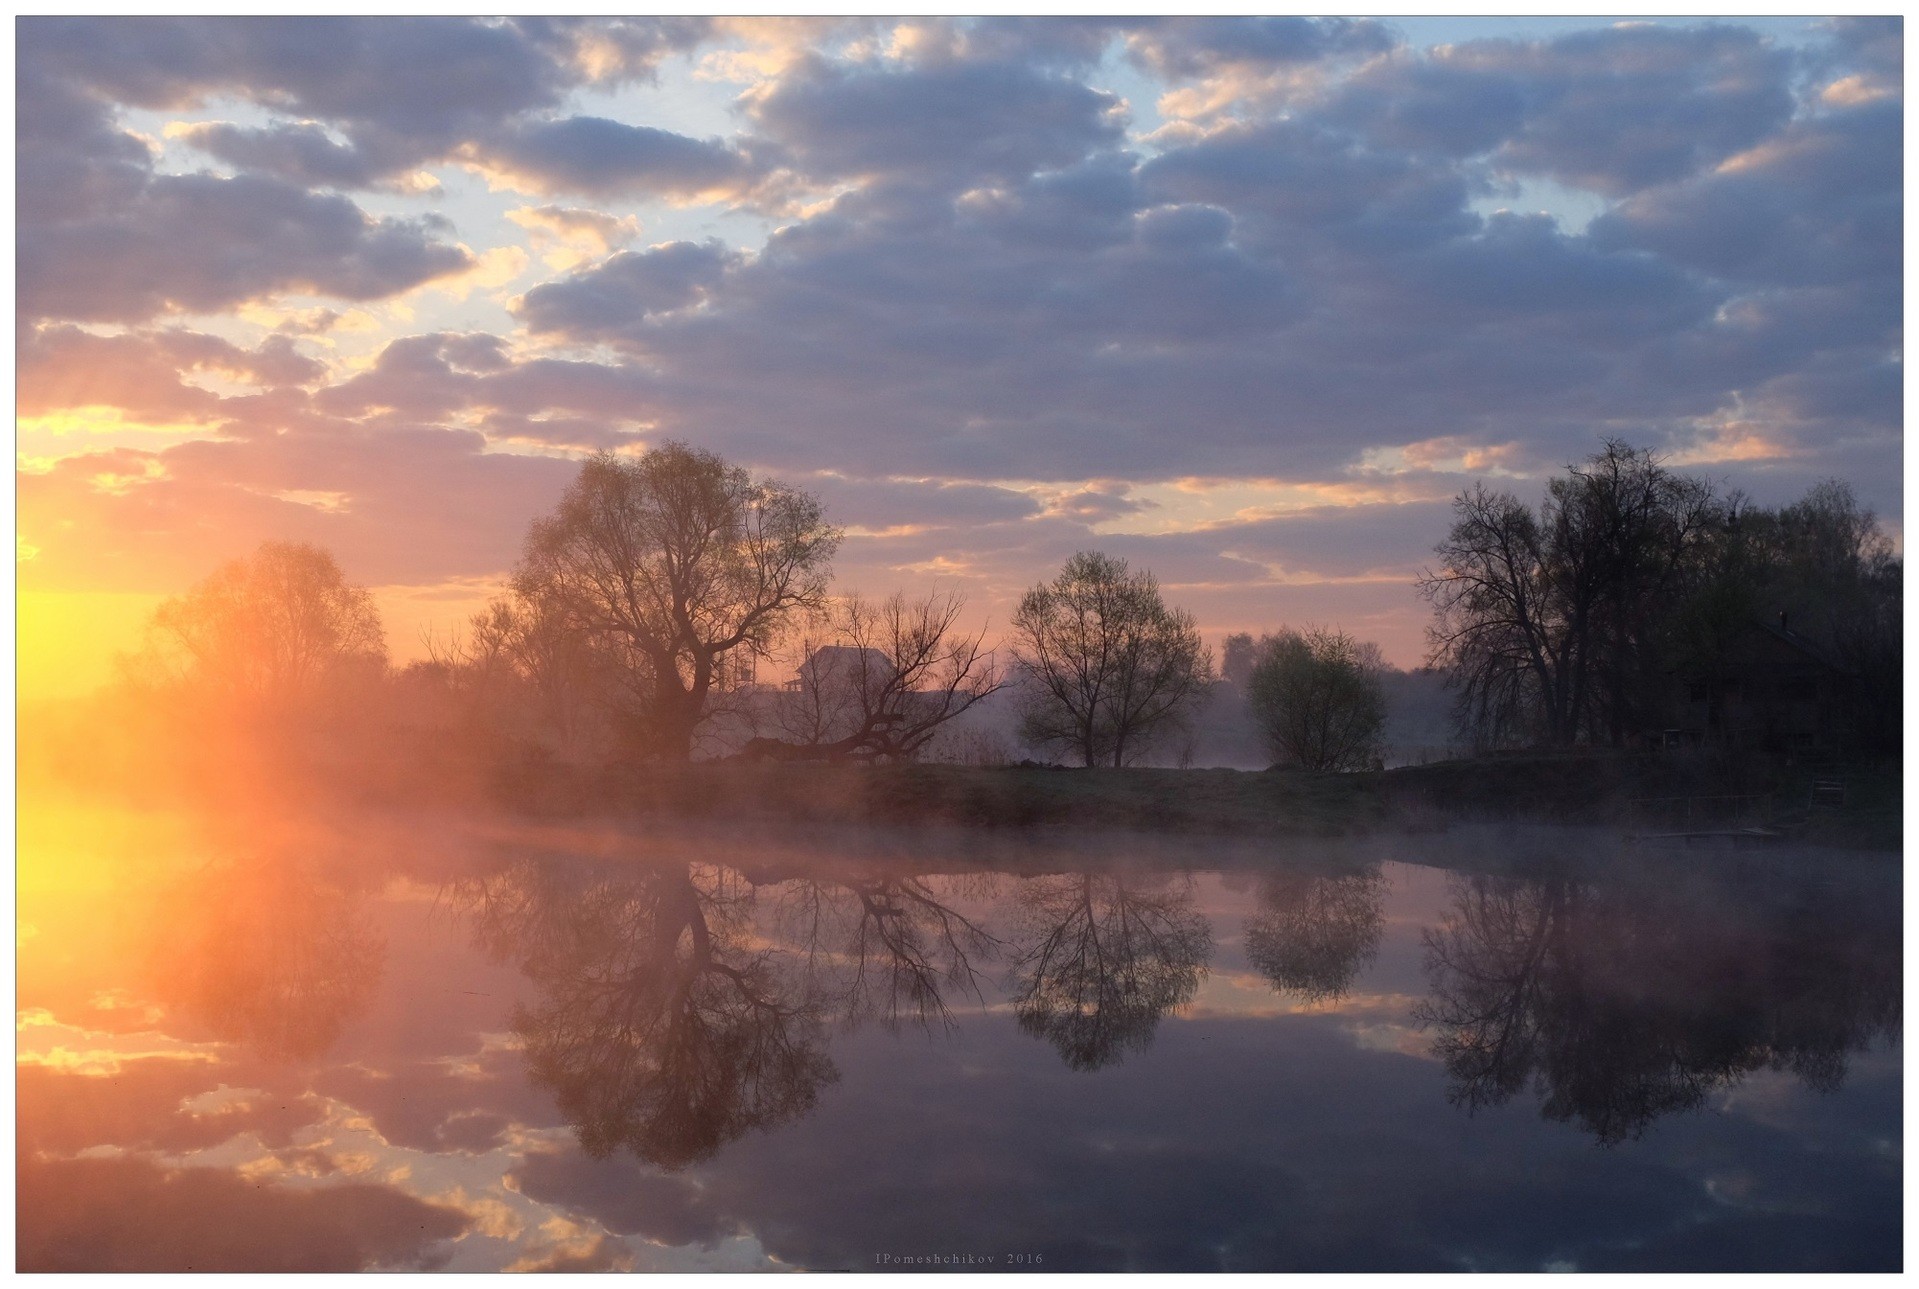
<point x="835" y="667"/>
<point x="1771" y="688"/>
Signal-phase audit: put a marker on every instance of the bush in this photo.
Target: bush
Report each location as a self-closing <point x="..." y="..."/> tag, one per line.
<point x="1318" y="701"/>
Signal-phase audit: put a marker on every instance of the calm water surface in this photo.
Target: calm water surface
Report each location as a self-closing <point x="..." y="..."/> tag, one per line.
<point x="363" y="1043"/>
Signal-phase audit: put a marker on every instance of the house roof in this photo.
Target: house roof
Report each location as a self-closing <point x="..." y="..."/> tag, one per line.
<point x="1808" y="647"/>
<point x="846" y="660"/>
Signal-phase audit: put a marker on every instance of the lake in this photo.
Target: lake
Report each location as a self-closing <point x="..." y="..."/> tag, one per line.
<point x="334" y="1042"/>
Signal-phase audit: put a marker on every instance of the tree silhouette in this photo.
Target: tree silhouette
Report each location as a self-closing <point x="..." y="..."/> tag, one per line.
<point x="1102" y="958"/>
<point x="265" y="631"/>
<point x="1317" y="699"/>
<point x="1107" y="664"/>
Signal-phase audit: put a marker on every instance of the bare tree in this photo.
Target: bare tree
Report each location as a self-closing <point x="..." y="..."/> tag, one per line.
<point x="1317" y="698"/>
<point x="1108" y="664"/>
<point x="671" y="563"/>
<point x="901" y="671"/>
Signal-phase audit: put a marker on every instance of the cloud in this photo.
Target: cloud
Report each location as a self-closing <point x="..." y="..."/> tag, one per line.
<point x="1189" y="48"/>
<point x="989" y="320"/>
<point x="1233" y="65"/>
<point x="613" y="299"/>
<point x="568" y="236"/>
<point x="103" y="237"/>
<point x="944" y="122"/>
<point x="128" y="519"/>
<point x="401" y="90"/>
<point x="143" y="373"/>
<point x="301" y="153"/>
<point x="595" y="157"/>
<point x="1814" y="204"/>
<point x="1615" y="110"/>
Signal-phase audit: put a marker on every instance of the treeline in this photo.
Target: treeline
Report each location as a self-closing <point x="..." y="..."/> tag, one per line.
<point x="647" y="605"/>
<point x="635" y="627"/>
<point x="1636" y="600"/>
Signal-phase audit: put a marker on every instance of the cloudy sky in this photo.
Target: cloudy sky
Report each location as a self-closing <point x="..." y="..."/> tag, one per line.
<point x="1243" y="300"/>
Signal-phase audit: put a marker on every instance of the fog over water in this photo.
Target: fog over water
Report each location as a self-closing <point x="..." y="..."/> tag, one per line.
<point x="358" y="1041"/>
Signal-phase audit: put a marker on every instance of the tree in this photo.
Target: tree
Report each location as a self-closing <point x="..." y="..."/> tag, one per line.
<point x="1108" y="665"/>
<point x="1546" y="623"/>
<point x="1317" y="698"/>
<point x="265" y="631"/>
<point x="901" y="672"/>
<point x="671" y="563"/>
<point x="1238" y="652"/>
<point x="523" y="651"/>
<point x="1832" y="569"/>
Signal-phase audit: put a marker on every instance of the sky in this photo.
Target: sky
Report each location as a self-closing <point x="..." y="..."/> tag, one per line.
<point x="1245" y="301"/>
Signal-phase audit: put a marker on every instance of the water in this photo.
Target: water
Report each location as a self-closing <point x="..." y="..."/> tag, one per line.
<point x="364" y="1043"/>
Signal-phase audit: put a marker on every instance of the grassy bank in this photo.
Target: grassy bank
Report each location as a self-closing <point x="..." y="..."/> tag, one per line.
<point x="1584" y="788"/>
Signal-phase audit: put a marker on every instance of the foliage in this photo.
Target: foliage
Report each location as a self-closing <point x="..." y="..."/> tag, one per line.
<point x="1108" y="664"/>
<point x="1824" y="567"/>
<point x="1317" y="698"/>
<point x="269" y="632"/>
<point x="671" y="564"/>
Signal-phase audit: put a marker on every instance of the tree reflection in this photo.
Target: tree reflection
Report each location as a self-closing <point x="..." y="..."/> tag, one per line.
<point x="660" y="1027"/>
<point x="886" y="949"/>
<point x="1621" y="1004"/>
<point x="1314" y="934"/>
<point x="1101" y="958"/>
<point x="270" y="952"/>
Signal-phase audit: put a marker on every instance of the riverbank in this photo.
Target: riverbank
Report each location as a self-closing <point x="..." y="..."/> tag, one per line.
<point x="1572" y="788"/>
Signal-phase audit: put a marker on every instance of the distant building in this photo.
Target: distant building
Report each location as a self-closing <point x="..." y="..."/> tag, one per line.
<point x="1773" y="689"/>
<point x="834" y="667"/>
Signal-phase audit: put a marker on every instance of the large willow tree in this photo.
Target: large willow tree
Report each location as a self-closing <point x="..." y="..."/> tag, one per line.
<point x="673" y="563"/>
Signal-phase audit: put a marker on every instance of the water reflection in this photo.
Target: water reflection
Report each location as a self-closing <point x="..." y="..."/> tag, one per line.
<point x="595" y="1050"/>
<point x="1624" y="1002"/>
<point x="1314" y="934"/>
<point x="274" y="951"/>
<point x="886" y="949"/>
<point x="661" y="1027"/>
<point x="1098" y="960"/>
